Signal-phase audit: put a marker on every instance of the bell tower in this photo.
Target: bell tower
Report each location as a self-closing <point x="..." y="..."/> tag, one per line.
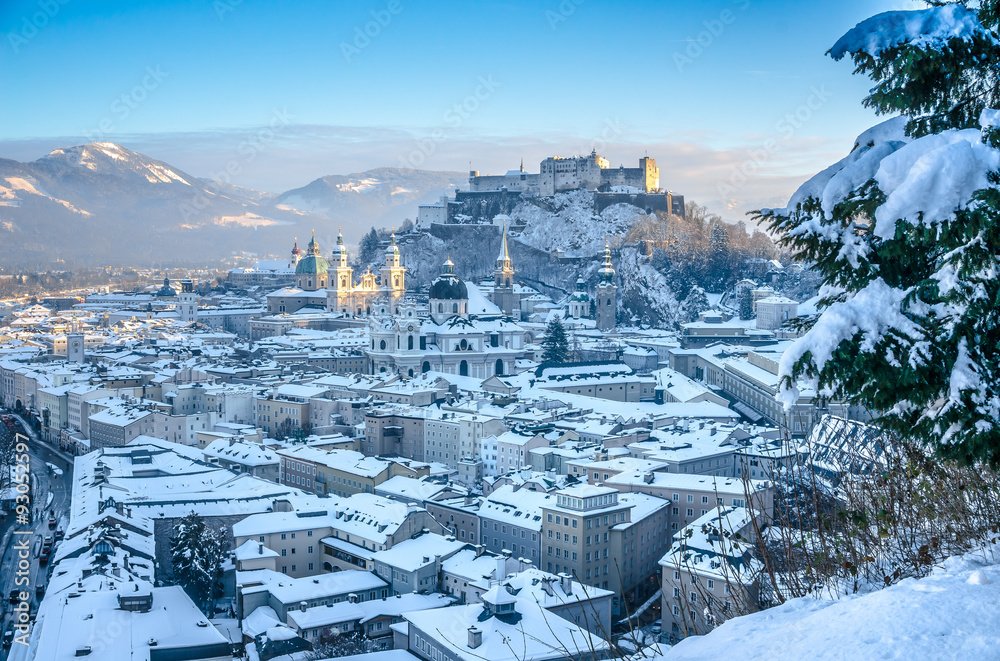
<point x="503" y="278"/>
<point x="393" y="274"/>
<point x="341" y="278"/>
<point x="606" y="293"/>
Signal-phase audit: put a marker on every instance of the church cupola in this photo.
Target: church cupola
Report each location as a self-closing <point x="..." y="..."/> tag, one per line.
<point x="339" y="251"/>
<point x="606" y="274"/>
<point x="449" y="296"/>
<point x="296" y="254"/>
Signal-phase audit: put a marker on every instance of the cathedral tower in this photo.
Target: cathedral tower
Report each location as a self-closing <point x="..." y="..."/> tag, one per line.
<point x="607" y="293"/>
<point x="503" y="279"/>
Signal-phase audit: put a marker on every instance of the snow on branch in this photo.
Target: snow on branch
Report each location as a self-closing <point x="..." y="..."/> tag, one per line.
<point x="929" y="29"/>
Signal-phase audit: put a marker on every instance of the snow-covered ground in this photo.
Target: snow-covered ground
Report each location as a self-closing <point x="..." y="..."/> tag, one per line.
<point x="951" y="614"/>
<point x="573" y="228"/>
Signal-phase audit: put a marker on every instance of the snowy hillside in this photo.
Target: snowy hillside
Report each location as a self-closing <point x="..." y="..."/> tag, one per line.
<point x="567" y="222"/>
<point x="951" y="614"/>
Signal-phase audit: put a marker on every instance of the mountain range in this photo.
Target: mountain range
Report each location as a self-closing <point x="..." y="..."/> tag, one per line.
<point x="103" y="204"/>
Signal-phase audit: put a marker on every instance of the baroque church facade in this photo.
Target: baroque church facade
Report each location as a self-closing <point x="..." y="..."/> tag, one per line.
<point x="323" y="285"/>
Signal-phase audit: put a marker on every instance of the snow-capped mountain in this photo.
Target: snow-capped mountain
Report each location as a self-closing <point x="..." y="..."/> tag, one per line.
<point x="383" y="196"/>
<point x="101" y="203"/>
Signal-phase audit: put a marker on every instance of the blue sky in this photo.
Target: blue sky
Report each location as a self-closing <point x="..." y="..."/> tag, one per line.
<point x="704" y="87"/>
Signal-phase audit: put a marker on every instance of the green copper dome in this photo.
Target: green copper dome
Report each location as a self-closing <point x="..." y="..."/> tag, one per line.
<point x="312" y="265"/>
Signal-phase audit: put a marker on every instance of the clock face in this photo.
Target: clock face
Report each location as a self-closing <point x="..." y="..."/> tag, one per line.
<point x="76" y="345"/>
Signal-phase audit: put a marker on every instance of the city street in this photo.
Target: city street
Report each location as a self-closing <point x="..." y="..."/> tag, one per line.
<point x="44" y="482"/>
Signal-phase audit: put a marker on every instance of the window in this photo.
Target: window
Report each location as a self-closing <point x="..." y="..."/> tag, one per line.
<point x="711" y="584"/>
<point x="310" y="566"/>
<point x="574" y="523"/>
<point x="677" y="575"/>
<point x="677" y="593"/>
<point x="284" y="552"/>
<point x="283" y="535"/>
<point x="704" y="499"/>
<point x="690" y="498"/>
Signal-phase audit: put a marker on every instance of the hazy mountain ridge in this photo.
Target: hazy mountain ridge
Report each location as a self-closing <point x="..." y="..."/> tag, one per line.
<point x="101" y="203"/>
<point x="382" y="196"/>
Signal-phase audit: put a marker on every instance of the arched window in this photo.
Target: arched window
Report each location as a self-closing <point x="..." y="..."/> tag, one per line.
<point x="426" y="367"/>
<point x="609" y="301"/>
<point x="396" y="281"/>
<point x="409" y="343"/>
<point x="454" y="307"/>
<point x="343" y="283"/>
<point x="463" y="368"/>
<point x="410" y="372"/>
<point x="440" y="307"/>
<point x="381" y="345"/>
<point x="499" y="367"/>
<point x="463" y="345"/>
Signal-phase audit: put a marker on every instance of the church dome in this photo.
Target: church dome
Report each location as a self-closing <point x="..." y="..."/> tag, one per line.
<point x="166" y="290"/>
<point x="312" y="265"/>
<point x="449" y="287"/>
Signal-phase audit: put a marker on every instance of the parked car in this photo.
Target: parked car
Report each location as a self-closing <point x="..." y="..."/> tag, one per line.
<point x="60" y="534"/>
<point x="39" y="591"/>
<point x="657" y="627"/>
<point x="8" y="637"/>
<point x="14" y="596"/>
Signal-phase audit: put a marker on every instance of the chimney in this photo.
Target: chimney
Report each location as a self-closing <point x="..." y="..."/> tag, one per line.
<point x="260" y="549"/>
<point x="302" y="606"/>
<point x="547" y="586"/>
<point x="475" y="637"/>
<point x="352" y="598"/>
<point x="566" y="583"/>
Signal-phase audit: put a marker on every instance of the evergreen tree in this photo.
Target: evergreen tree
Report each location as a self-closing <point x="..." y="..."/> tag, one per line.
<point x="197" y="553"/>
<point x="906" y="232"/>
<point x="555" y="343"/>
<point x="746" y="304"/>
<point x="695" y="302"/>
<point x="368" y="248"/>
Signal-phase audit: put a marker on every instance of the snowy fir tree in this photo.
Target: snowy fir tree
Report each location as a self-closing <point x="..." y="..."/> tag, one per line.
<point x="368" y="247"/>
<point x="197" y="553"/>
<point x="746" y="304"/>
<point x="906" y="232"/>
<point x="555" y="344"/>
<point x="695" y="302"/>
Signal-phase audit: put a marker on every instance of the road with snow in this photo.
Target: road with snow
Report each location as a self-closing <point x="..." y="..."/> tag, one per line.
<point x="47" y="487"/>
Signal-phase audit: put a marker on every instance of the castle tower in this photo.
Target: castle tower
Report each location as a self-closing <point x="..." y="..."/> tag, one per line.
<point x="393" y="274"/>
<point x="296" y="254"/>
<point x="187" y="301"/>
<point x="503" y="279"/>
<point x="606" y="293"/>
